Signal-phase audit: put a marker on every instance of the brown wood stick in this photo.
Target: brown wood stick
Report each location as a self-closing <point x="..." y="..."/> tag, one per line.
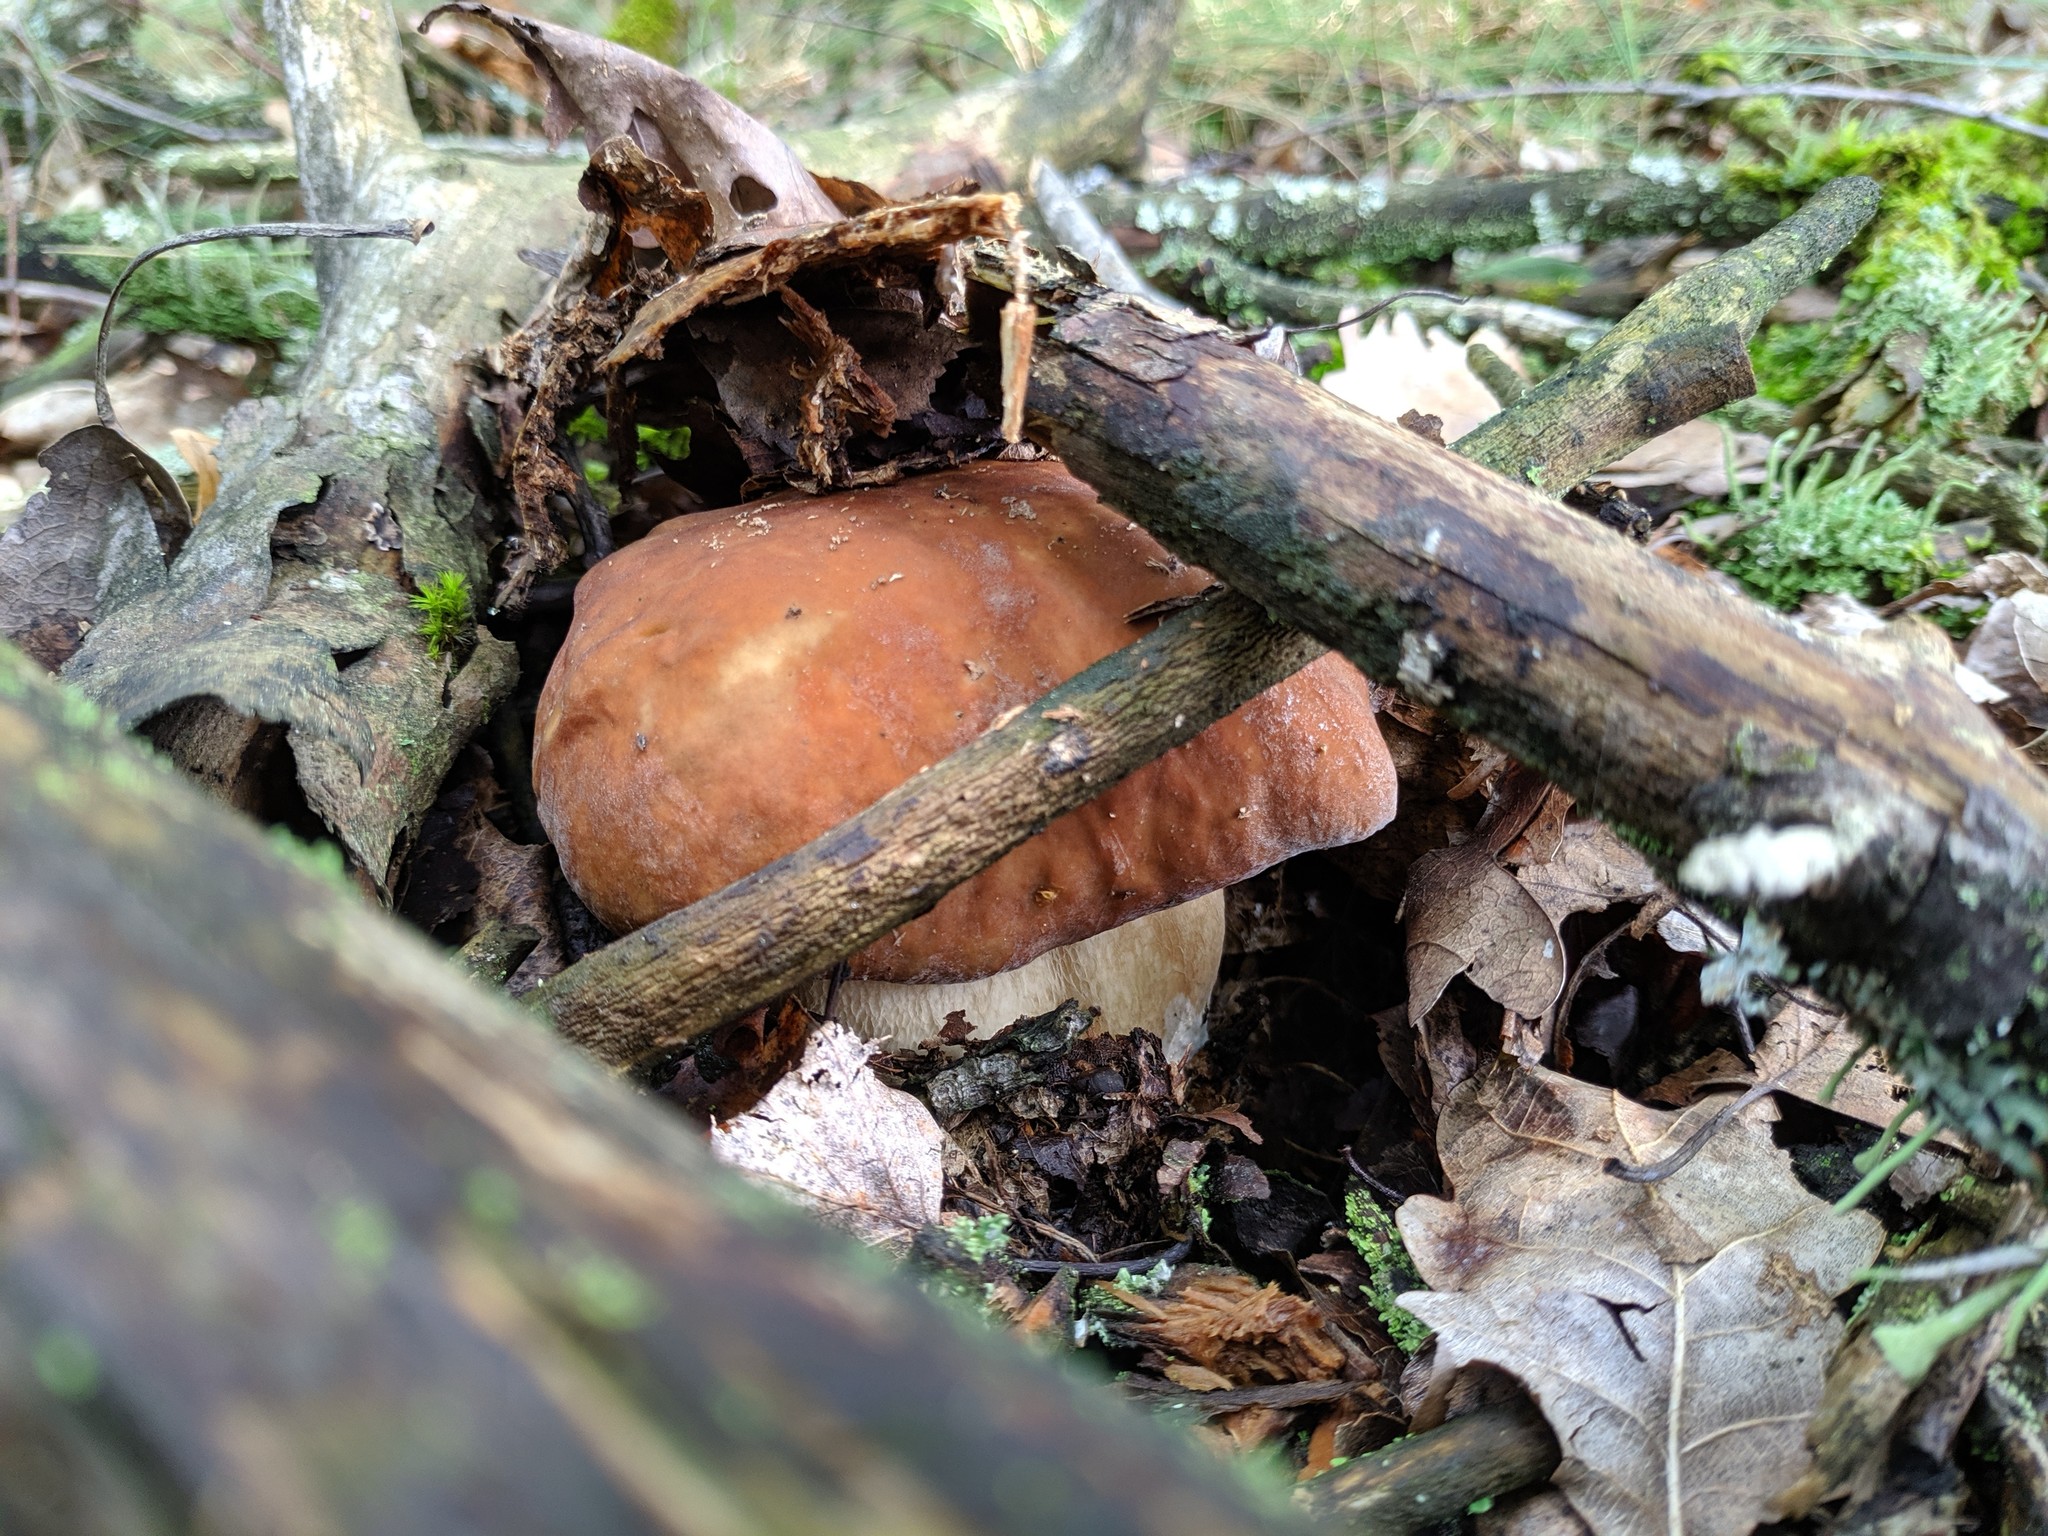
<point x="736" y="949"/>
<point x="1423" y="1479"/>
<point x="698" y="968"/>
<point x="1852" y="794"/>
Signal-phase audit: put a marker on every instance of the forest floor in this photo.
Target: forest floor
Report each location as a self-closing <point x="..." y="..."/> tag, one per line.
<point x="1218" y="1233"/>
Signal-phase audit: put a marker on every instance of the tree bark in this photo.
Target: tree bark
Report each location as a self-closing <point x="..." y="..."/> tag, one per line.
<point x="246" y="626"/>
<point x="1854" y="796"/>
<point x="302" y="1232"/>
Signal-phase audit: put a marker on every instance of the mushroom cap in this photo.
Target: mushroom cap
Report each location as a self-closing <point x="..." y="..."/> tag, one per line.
<point x="739" y="682"/>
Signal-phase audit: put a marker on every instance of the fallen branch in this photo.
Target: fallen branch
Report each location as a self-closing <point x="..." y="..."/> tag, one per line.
<point x="1855" y="796"/>
<point x="700" y="967"/>
<point x="1686" y="94"/>
<point x="300" y="1229"/>
<point x="1680" y="353"/>
<point x="1295" y="226"/>
<point x="1435" y="1476"/>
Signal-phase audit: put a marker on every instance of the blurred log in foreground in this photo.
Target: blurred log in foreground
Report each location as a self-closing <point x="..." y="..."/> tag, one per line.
<point x="305" y="1234"/>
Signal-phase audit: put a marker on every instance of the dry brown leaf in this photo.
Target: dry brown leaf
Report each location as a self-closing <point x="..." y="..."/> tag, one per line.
<point x="1675" y="1334"/>
<point x="749" y="177"/>
<point x="1234" y="1332"/>
<point x="1590" y="871"/>
<point x="863" y="1156"/>
<point x="197" y="450"/>
<point x="1806" y="1046"/>
<point x="908" y="231"/>
<point x="1693" y="457"/>
<point x="1467" y="915"/>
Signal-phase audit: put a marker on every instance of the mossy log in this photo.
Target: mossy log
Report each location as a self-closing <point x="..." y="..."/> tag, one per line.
<point x="1299" y="224"/>
<point x="305" y="1233"/>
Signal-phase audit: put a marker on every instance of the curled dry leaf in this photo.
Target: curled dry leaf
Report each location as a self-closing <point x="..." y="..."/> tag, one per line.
<point x="2010" y="649"/>
<point x="748" y="176"/>
<point x="865" y="1157"/>
<point x="1675" y="1334"/>
<point x="1467" y="915"/>
<point x="84" y="545"/>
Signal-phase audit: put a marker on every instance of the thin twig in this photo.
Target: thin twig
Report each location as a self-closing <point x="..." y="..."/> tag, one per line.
<point x="1686" y="95"/>
<point x="414" y="230"/>
<point x="1366" y="314"/>
<point x="38" y="292"/>
<point x="1106" y="1269"/>
<point x="15" y="350"/>
<point x="1663" y="1168"/>
<point x="1968" y="1266"/>
<point x="204" y="132"/>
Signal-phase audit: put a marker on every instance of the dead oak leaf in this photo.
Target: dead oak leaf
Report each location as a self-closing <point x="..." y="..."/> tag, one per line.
<point x="1675" y="1334"/>
<point x="1467" y="915"/>
<point x="1589" y="871"/>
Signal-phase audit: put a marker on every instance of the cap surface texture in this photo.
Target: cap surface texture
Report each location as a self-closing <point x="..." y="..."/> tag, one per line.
<point x="741" y="681"/>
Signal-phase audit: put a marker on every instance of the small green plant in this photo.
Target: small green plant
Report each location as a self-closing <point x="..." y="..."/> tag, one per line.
<point x="444" y="609"/>
<point x="980" y="1237"/>
<point x="1811" y="528"/>
<point x="1378" y="1241"/>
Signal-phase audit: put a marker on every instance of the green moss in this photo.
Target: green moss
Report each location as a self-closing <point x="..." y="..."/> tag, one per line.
<point x="1809" y="528"/>
<point x="652" y="27"/>
<point x="444" y="608"/>
<point x="1378" y="1241"/>
<point x="1794" y="363"/>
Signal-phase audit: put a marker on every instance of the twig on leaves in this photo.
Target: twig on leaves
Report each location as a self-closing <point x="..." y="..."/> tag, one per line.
<point x="1663" y="1168"/>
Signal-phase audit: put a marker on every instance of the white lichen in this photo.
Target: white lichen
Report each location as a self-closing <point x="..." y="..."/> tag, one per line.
<point x="1764" y="863"/>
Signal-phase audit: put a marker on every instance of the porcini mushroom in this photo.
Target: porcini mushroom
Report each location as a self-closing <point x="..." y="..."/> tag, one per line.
<point x="739" y="682"/>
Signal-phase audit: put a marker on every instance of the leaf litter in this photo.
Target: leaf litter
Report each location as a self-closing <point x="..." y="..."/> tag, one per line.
<point x="731" y="323"/>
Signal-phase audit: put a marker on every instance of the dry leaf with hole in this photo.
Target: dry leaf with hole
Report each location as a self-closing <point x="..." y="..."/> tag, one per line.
<point x="865" y="1157"/>
<point x="1590" y="871"/>
<point x="1466" y="915"/>
<point x="1676" y="1334"/>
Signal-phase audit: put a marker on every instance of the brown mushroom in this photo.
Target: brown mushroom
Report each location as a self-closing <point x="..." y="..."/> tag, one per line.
<point x="739" y="682"/>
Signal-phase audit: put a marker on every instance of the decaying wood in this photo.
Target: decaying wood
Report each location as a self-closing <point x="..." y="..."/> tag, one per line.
<point x="1853" y="795"/>
<point x="337" y="502"/>
<point x="303" y="1232"/>
<point x="1681" y="352"/>
<point x="702" y="966"/>
<point x="715" y="959"/>
<point x="1435" y="1476"/>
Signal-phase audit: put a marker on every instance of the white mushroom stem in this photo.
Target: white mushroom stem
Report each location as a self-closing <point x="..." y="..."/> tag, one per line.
<point x="1153" y="973"/>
